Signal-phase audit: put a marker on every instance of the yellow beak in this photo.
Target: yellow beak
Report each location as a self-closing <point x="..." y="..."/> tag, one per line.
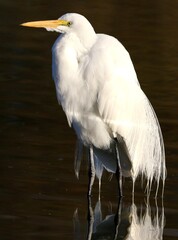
<point x="46" y="24"/>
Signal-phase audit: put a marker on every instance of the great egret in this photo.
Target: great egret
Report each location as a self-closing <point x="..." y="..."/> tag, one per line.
<point x="98" y="89"/>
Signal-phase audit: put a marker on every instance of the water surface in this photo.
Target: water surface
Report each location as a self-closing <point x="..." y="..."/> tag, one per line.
<point x="40" y="197"/>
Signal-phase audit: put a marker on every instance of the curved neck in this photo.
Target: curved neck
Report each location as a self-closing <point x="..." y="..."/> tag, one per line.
<point x="87" y="38"/>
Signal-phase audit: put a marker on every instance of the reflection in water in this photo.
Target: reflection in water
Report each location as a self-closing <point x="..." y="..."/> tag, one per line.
<point x="148" y="225"/>
<point x="129" y="222"/>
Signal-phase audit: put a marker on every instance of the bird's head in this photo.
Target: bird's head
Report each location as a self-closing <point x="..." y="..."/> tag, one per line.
<point x="66" y="24"/>
<point x="70" y="22"/>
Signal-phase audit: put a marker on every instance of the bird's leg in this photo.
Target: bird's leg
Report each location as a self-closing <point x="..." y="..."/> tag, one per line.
<point x="91" y="172"/>
<point x="118" y="170"/>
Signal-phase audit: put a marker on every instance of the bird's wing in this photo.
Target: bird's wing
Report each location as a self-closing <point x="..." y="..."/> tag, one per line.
<point x="127" y="111"/>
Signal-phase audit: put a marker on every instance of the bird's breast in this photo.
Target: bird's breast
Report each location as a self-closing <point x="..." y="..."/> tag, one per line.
<point x="77" y="88"/>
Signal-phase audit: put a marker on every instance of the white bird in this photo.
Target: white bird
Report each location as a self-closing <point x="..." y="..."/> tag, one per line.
<point x="97" y="86"/>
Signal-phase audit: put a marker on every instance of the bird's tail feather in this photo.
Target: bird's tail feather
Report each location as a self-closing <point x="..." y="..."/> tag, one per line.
<point x="127" y="111"/>
<point x="145" y="144"/>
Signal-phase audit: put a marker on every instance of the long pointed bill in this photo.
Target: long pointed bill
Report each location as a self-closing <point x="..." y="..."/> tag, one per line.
<point x="46" y="24"/>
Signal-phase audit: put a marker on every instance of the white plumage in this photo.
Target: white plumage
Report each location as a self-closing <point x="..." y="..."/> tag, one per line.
<point x="98" y="89"/>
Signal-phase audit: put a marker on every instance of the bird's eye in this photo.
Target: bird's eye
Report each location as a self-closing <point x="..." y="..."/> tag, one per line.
<point x="69" y="24"/>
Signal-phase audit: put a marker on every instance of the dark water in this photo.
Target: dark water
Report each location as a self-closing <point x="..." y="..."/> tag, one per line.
<point x="40" y="198"/>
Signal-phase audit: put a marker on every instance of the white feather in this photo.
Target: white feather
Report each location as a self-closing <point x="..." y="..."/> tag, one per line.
<point x="136" y="122"/>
